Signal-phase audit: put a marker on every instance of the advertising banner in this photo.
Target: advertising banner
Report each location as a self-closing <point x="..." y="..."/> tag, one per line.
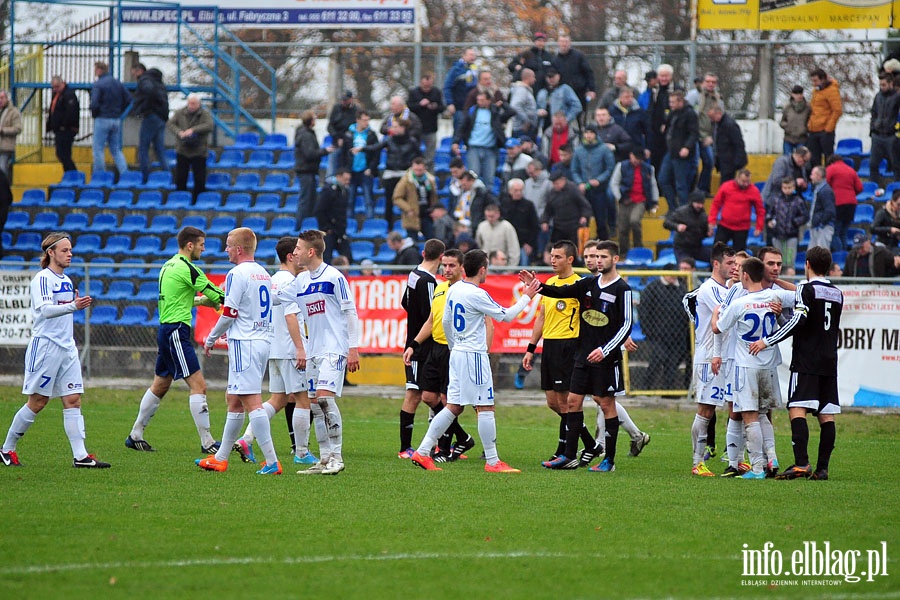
<point x="15" y="308"/>
<point x="796" y="14"/>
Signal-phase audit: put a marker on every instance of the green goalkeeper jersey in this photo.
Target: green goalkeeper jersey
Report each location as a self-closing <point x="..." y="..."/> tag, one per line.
<point x="179" y="282"/>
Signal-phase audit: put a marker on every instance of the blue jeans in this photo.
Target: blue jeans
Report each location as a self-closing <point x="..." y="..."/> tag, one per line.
<point x="361" y="180"/>
<point x="789" y="147"/>
<point x="604" y="212"/>
<point x="675" y="179"/>
<point x="483" y="160"/>
<point x="107" y="132"/>
<point x="707" y="163"/>
<point x="306" y="207"/>
<point x="153" y="132"/>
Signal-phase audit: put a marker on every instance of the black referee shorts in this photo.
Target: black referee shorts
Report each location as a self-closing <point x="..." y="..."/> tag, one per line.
<point x="434" y="374"/>
<point x="557" y="363"/>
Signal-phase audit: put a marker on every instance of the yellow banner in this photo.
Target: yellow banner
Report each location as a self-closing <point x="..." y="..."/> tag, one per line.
<point x="796" y="14"/>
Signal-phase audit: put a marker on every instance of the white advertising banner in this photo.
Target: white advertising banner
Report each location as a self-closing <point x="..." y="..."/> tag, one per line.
<point x="869" y="351"/>
<point x="280" y="13"/>
<point x="15" y="308"/>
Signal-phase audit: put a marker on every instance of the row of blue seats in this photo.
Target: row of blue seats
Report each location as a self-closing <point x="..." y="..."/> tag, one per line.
<point x="134" y="315"/>
<point x="162" y="180"/>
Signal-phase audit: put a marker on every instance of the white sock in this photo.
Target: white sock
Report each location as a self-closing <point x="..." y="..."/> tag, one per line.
<point x="21" y="422"/>
<point x="233" y="423"/>
<point x="734" y="441"/>
<point x="436" y="429"/>
<point x="755" y="446"/>
<point x="768" y="433"/>
<point x="318" y="417"/>
<point x="73" y="423"/>
<point x="149" y="404"/>
<point x="300" y="421"/>
<point x="200" y="412"/>
<point x="259" y="420"/>
<point x="601" y="428"/>
<point x="487" y="431"/>
<point x="698" y="437"/>
<point x="626" y="422"/>
<point x="335" y="425"/>
<point x="249" y="436"/>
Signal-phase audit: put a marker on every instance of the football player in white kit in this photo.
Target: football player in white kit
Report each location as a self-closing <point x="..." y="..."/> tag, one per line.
<point x="327" y="307"/>
<point x="247" y="319"/>
<point x="52" y="367"/>
<point x="755" y="385"/>
<point x="471" y="380"/>
<point x="286" y="381"/>
<point x="708" y="388"/>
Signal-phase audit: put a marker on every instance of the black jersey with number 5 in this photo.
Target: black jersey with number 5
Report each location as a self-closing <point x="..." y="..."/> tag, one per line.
<point x="815" y="326"/>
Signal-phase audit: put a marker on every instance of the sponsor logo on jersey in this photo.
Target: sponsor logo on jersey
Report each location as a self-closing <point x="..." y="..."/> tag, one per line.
<point x="595" y="318"/>
<point x="315" y="308"/>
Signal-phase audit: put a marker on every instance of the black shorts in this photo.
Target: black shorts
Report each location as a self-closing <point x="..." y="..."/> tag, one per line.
<point x="604" y="381"/>
<point x="435" y="373"/>
<point x="557" y="362"/>
<point x="414" y="370"/>
<point x="816" y="393"/>
<point x="175" y="356"/>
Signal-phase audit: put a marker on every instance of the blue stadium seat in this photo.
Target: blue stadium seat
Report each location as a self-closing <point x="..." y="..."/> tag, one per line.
<point x="218" y="181"/>
<point x="865" y="169"/>
<point x="265" y="251"/>
<point x="17" y="219"/>
<point x="61" y="198"/>
<point x="133" y="223"/>
<point x="44" y="221"/>
<point x="352" y="227"/>
<point x="147" y="292"/>
<point x="385" y="255"/>
<point x="131" y="272"/>
<point x="118" y="290"/>
<point x="238" y="201"/>
<point x="373" y="229"/>
<point x="246" y="182"/>
<point x="220" y="226"/>
<point x="163" y="225"/>
<point x="313" y="223"/>
<point x="170" y="247"/>
<point x="197" y="221"/>
<point x="6" y="240"/>
<point x="362" y="250"/>
<point x="267" y="203"/>
<point x="172" y="157"/>
<point x="285" y="161"/>
<point x="179" y="200"/>
<point x="637" y="335"/>
<point x="103" y="179"/>
<point x="281" y="226"/>
<point x="103" y="315"/>
<point x="244" y="141"/>
<point x="257" y="224"/>
<point x="33" y="197"/>
<point x="229" y="159"/>
<point x="868" y="191"/>
<point x="864" y="214"/>
<point x="26" y="242"/>
<point x="101" y="266"/>
<point x="639" y="256"/>
<point x="75" y="223"/>
<point x="87" y="243"/>
<point x="134" y="316"/>
<point x="90" y="198"/>
<point x="116" y="244"/>
<point x="888" y="191"/>
<point x="71" y="179"/>
<point x="849" y="147"/>
<point x="274" y="141"/>
<point x="214" y="248"/>
<point x="159" y="180"/>
<point x="129" y="180"/>
<point x="840" y="257"/>
<point x="149" y="200"/>
<point x="104" y="222"/>
<point x="260" y="159"/>
<point x="119" y="199"/>
<point x="211" y="158"/>
<point x="276" y="182"/>
<point x="13" y="263"/>
<point x="147" y="246"/>
<point x="76" y="269"/>
<point x="154" y="320"/>
<point x="210" y="200"/>
<point x="800" y="262"/>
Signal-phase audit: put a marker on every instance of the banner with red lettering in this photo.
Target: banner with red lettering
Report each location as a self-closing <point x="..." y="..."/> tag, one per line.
<point x="382" y="320"/>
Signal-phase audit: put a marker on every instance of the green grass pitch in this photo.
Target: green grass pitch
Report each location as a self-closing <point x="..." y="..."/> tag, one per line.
<point x="155" y="526"/>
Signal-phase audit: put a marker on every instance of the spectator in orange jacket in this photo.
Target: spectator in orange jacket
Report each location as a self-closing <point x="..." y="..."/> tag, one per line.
<point x="825" y="110"/>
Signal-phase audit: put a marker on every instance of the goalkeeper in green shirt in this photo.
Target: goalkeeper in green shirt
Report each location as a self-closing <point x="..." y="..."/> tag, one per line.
<point x="179" y="282"/>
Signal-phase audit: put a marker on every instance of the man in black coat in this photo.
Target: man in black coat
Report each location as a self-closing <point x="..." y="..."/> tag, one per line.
<point x="427" y="103"/>
<point x="331" y="213"/>
<point x="658" y="109"/>
<point x="151" y="103"/>
<point x="731" y="155"/>
<point x="342" y="116"/>
<point x="690" y="224"/>
<point x="679" y="166"/>
<point x="575" y="71"/>
<point x="521" y="213"/>
<point x="63" y="120"/>
<point x="537" y="59"/>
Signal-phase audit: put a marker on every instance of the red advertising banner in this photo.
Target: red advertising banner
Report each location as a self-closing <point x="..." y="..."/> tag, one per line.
<point x="382" y="319"/>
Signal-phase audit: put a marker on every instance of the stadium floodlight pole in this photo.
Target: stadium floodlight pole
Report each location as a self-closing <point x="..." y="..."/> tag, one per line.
<point x="693" y="48"/>
<point x="418" y="15"/>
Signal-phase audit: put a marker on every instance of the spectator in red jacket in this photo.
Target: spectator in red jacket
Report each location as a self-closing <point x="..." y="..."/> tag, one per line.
<point x="731" y="210"/>
<point x="846" y="184"/>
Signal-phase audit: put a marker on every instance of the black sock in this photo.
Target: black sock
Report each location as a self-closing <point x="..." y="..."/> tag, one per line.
<point x="612" y="436"/>
<point x="457" y="431"/>
<point x="826" y="445"/>
<point x="445" y="442"/>
<point x="586" y="438"/>
<point x="800" y="441"/>
<point x="574" y="425"/>
<point x="289" y="416"/>
<point x="711" y="432"/>
<point x="406" y="429"/>
<point x="561" y="443"/>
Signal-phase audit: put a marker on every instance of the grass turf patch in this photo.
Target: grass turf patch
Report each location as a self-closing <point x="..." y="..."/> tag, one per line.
<point x="156" y="526"/>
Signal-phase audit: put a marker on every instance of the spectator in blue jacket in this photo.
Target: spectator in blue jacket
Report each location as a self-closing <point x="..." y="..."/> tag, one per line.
<point x="592" y="166"/>
<point x="630" y="116"/>
<point x="109" y="99"/>
<point x="822" y="211"/>
<point x="558" y="97"/>
<point x="461" y="78"/>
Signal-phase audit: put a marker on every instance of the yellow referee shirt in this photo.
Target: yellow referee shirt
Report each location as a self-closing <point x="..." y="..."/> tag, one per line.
<point x="560" y="315"/>
<point x="437" y="312"/>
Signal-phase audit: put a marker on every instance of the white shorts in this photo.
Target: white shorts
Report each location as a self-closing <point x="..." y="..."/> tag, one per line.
<point x="246" y="364"/>
<point x="707" y="388"/>
<point x="285" y="377"/>
<point x="471" y="380"/>
<point x="756" y="390"/>
<point x="51" y="370"/>
<point x="329" y="373"/>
